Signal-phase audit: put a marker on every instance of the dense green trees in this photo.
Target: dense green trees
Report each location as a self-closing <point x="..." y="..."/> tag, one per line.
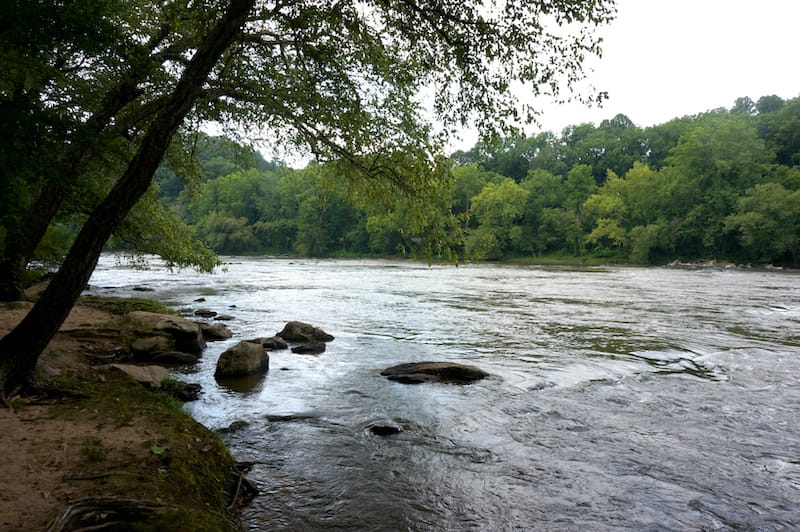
<point x="710" y="186"/>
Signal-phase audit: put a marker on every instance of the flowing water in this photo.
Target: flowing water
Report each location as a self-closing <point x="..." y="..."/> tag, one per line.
<point x="619" y="398"/>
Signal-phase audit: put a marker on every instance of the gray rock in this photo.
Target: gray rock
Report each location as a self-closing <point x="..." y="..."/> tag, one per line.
<point x="186" y="333"/>
<point x="446" y="372"/>
<point x="205" y="313"/>
<point x="149" y="345"/>
<point x="273" y="343"/>
<point x="311" y="348"/>
<point x="297" y="331"/>
<point x="224" y="317"/>
<point x="214" y="331"/>
<point x="244" y="358"/>
<point x="151" y="376"/>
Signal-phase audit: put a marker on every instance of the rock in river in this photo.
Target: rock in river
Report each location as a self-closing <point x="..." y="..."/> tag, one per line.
<point x="311" y="348"/>
<point x="448" y="372"/>
<point x="297" y="331"/>
<point x="273" y="343"/>
<point x="244" y="358"/>
<point x="212" y="332"/>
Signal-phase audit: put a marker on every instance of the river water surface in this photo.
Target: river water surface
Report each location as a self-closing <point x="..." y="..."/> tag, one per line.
<point x="619" y="398"/>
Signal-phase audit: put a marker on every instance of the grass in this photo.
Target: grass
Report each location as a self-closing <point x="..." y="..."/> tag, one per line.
<point x="177" y="462"/>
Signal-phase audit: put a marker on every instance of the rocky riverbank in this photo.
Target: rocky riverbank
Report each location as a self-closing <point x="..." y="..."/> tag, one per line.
<point x="94" y="446"/>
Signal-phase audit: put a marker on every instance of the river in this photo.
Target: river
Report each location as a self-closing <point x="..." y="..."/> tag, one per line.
<point x="619" y="397"/>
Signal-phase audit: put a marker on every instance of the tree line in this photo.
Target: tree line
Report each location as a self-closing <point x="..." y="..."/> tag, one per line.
<point x="723" y="184"/>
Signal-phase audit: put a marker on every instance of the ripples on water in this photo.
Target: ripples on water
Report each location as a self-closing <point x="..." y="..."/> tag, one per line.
<point x="621" y="398"/>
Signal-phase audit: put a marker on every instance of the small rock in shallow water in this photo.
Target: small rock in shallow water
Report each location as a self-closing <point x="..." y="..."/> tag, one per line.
<point x="235" y="426"/>
<point x="313" y="348"/>
<point x="297" y="331"/>
<point x="384" y="430"/>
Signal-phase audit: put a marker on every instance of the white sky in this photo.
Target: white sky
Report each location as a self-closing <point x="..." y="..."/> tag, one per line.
<point x="669" y="58"/>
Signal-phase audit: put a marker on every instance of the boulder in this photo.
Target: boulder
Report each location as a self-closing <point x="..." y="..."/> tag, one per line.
<point x="214" y="331"/>
<point x="205" y="313"/>
<point x="151" y="376"/>
<point x="447" y="372"/>
<point x="149" y="345"/>
<point x="174" y="358"/>
<point x="297" y="331"/>
<point x="273" y="343"/>
<point x="186" y="333"/>
<point x="244" y="358"/>
<point x="224" y="317"/>
<point x="311" y="348"/>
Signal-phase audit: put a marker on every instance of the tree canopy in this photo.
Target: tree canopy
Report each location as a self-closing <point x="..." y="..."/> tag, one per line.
<point x="94" y="95"/>
<point x="695" y="188"/>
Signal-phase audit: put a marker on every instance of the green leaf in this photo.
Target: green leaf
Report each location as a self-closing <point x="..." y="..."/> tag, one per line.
<point x="158" y="449"/>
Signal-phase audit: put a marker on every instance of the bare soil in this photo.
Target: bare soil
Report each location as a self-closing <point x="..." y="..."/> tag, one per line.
<point x="49" y="458"/>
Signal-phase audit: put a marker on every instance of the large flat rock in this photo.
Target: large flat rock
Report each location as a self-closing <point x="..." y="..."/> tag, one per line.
<point x="446" y="372"/>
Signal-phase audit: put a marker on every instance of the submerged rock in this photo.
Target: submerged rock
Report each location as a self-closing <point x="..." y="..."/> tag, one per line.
<point x="205" y="313"/>
<point x="273" y="343"/>
<point x="244" y="358"/>
<point x="384" y="427"/>
<point x="446" y="372"/>
<point x="297" y="331"/>
<point x="234" y="427"/>
<point x="311" y="348"/>
<point x="212" y="332"/>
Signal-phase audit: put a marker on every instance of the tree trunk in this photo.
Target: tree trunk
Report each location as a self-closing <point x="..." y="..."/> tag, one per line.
<point x="20" y="349"/>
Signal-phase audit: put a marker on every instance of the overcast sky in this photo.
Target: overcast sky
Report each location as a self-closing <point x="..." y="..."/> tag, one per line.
<point x="668" y="58"/>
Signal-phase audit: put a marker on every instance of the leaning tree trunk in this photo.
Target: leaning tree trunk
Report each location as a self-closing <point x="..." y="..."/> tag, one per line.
<point x="20" y="349"/>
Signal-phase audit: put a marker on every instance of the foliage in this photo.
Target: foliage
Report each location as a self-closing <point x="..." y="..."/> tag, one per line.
<point x="698" y="190"/>
<point x="84" y="81"/>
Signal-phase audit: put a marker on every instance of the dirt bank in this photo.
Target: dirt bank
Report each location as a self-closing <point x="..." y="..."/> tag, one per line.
<point x="92" y="434"/>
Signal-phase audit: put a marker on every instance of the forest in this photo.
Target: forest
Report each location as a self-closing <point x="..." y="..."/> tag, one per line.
<point x="720" y="185"/>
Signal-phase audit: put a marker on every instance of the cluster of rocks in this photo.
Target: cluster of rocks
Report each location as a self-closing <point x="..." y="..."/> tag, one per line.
<point x="251" y="357"/>
<point x="174" y="341"/>
<point x="167" y="341"/>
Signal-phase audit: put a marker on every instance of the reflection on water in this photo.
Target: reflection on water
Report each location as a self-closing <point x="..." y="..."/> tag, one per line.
<point x="620" y="398"/>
